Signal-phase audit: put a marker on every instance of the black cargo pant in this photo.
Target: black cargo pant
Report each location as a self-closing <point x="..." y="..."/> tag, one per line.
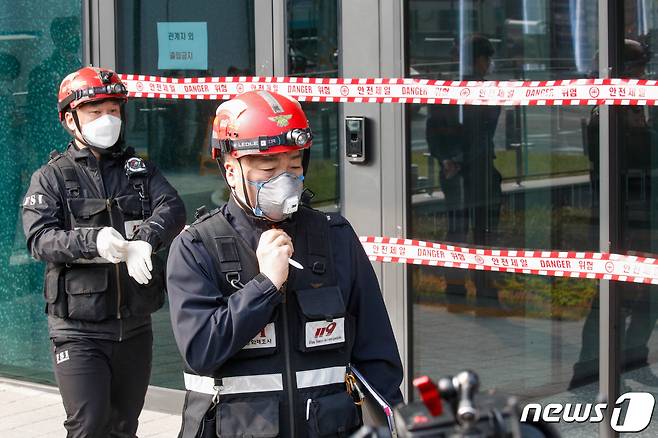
<point x="102" y="383"/>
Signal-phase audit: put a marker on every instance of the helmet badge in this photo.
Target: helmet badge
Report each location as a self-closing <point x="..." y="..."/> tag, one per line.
<point x="281" y="121"/>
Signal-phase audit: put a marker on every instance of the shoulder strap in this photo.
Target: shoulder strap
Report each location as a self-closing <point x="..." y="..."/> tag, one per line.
<point x="68" y="178"/>
<point x="66" y="170"/>
<point x="313" y="249"/>
<point x="231" y="255"/>
<point x="140" y="183"/>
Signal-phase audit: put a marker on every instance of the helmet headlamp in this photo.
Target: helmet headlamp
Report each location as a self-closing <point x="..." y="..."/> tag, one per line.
<point x="295" y="137"/>
<point x="298" y="137"/>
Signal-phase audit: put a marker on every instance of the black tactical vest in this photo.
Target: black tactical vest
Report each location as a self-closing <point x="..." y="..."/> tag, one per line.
<point x="95" y="290"/>
<point x="308" y="358"/>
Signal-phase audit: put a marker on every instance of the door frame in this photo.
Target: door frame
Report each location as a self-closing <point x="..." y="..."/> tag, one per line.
<point x="376" y="28"/>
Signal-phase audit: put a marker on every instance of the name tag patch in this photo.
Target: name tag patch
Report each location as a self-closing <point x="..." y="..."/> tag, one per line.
<point x="266" y="338"/>
<point x="62" y="356"/>
<point x="320" y="333"/>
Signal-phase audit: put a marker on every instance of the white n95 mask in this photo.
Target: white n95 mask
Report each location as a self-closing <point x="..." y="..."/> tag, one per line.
<point x="103" y="132"/>
<point x="278" y="197"/>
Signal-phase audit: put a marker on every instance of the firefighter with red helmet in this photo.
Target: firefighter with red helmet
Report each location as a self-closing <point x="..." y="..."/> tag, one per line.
<point x="271" y="301"/>
<point x="96" y="214"/>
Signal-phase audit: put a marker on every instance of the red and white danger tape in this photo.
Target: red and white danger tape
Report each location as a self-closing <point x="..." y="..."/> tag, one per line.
<point x="403" y="90"/>
<point x="594" y="265"/>
<point x="607" y="266"/>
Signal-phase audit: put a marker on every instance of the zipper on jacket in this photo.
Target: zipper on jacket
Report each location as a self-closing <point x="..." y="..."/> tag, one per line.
<point x="118" y="275"/>
<point x="292" y="384"/>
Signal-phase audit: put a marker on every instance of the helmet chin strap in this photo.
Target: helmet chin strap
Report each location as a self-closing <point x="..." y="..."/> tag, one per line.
<point x="247" y="204"/>
<point x="249" y="211"/>
<point x="81" y="138"/>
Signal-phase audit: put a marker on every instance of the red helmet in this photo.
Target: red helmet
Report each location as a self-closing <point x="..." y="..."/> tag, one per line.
<point x="87" y="85"/>
<point x="259" y="122"/>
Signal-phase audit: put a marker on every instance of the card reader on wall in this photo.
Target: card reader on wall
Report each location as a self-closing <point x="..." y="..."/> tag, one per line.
<point x="355" y="139"/>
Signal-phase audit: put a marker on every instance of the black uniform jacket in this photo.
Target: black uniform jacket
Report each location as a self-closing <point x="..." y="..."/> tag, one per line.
<point x="209" y="330"/>
<point x="48" y="239"/>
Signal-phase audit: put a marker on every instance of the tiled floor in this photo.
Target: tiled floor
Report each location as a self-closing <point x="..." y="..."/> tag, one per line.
<point x="30" y="410"/>
<point x="532" y="358"/>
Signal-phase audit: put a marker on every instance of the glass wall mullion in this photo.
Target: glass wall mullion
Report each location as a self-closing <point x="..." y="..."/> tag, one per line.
<point x="87" y="36"/>
<point x="393" y="171"/>
<point x="279" y="37"/>
<point x="611" y="19"/>
<point x="264" y="42"/>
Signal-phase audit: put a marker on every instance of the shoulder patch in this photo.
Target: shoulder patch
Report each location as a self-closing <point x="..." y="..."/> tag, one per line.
<point x="32" y="200"/>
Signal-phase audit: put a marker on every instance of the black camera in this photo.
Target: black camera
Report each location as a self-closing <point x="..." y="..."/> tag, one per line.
<point x="456" y="409"/>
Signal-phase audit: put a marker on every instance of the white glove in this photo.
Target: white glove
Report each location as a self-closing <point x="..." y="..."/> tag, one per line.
<point x="138" y="261"/>
<point x="111" y="245"/>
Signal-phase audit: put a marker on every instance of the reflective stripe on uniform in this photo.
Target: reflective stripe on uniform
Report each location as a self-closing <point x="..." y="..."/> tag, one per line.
<point x="264" y="382"/>
<point x="234" y="385"/>
<point x="321" y="376"/>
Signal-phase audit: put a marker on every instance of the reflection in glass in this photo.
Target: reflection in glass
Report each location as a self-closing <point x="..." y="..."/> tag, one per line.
<point x="634" y="171"/>
<point x="43" y="84"/>
<point x="510" y="177"/>
<point x="40" y="45"/>
<point x="637" y="198"/>
<point x="460" y="139"/>
<point x="175" y="134"/>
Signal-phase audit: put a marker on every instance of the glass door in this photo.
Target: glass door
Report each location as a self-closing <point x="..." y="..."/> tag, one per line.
<point x="221" y="38"/>
<point x="637" y="200"/>
<point x="197" y="38"/>
<point x="504" y="177"/>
